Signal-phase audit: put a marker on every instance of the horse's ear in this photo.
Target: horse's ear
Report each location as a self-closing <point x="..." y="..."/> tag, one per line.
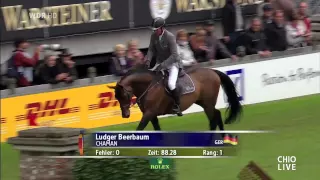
<point x="111" y="87"/>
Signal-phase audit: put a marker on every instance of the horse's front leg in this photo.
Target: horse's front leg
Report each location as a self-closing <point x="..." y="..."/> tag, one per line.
<point x="147" y="116"/>
<point x="155" y="123"/>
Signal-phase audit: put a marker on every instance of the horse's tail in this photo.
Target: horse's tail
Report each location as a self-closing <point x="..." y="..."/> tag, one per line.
<point x="235" y="108"/>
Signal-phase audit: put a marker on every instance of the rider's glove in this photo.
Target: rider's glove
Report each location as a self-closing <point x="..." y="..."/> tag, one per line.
<point x="155" y="68"/>
<point x="161" y="66"/>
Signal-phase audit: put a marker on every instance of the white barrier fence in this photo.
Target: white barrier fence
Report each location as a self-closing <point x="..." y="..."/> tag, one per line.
<point x="272" y="80"/>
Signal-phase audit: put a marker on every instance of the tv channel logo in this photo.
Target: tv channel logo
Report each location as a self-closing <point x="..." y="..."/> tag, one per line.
<point x="237" y="76"/>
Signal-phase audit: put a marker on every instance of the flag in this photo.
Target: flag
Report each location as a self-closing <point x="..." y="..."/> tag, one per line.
<point x="226" y="139"/>
<point x="234" y="140"/>
<point x="229" y="139"/>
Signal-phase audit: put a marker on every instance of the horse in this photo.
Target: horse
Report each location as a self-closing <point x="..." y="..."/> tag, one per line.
<point x="154" y="100"/>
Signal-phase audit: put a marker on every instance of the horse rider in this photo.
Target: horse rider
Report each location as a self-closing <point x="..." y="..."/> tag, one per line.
<point x="163" y="46"/>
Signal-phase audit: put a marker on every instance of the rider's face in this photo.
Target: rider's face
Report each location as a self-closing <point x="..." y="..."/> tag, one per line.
<point x="158" y="31"/>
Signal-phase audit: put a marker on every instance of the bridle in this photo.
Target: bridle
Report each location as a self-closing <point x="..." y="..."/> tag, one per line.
<point x="130" y="94"/>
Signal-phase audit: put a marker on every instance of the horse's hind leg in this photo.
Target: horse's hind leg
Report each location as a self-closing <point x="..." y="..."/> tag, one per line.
<point x="155" y="124"/>
<point x="213" y="115"/>
<point x="218" y="117"/>
<point x="209" y="110"/>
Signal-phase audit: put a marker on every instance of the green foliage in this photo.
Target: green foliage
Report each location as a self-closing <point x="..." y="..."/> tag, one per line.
<point x="119" y="169"/>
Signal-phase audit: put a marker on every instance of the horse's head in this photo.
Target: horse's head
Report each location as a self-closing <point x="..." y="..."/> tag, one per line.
<point x="124" y="96"/>
<point x="124" y="88"/>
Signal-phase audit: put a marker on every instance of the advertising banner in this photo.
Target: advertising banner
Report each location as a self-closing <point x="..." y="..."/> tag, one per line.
<point x="283" y="78"/>
<point x="272" y="80"/>
<point x="53" y="18"/>
<point x="86" y="107"/>
<point x="182" y="11"/>
<point x="15" y="20"/>
<point x="87" y="16"/>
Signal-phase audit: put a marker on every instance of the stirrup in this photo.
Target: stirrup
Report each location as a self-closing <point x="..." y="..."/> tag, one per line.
<point x="177" y="110"/>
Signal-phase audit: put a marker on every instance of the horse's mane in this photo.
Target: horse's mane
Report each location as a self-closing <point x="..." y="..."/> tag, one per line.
<point x="137" y="69"/>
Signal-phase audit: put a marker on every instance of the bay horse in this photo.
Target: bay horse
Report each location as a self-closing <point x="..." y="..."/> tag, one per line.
<point x="153" y="99"/>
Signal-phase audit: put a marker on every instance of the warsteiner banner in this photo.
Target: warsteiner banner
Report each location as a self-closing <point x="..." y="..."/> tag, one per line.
<point x="15" y="20"/>
<point x="67" y="108"/>
<point x="19" y="17"/>
<point x="184" y="11"/>
<point x="38" y="19"/>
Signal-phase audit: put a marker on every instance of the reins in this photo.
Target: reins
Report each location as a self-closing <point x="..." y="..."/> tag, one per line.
<point x="144" y="93"/>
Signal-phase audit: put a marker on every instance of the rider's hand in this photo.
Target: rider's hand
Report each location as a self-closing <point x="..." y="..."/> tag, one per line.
<point x="155" y="67"/>
<point x="161" y="66"/>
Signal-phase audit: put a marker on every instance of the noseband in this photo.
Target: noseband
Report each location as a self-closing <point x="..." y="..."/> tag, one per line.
<point x="129" y="95"/>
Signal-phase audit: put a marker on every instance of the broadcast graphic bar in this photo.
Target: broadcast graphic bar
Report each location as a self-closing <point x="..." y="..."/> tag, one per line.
<point x="162" y="139"/>
<point x="137" y="157"/>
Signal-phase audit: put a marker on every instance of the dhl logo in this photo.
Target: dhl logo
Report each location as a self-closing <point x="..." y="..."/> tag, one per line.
<point x="3" y="120"/>
<point x="107" y="99"/>
<point x="36" y="110"/>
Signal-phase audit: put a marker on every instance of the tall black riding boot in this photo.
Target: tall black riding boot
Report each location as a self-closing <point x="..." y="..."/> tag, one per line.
<point x="176" y="98"/>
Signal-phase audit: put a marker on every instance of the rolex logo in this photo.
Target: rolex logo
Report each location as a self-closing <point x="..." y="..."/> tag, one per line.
<point x="159" y="160"/>
<point x="160" y="163"/>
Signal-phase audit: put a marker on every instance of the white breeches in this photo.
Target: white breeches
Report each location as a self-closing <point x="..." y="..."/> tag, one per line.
<point x="173" y="76"/>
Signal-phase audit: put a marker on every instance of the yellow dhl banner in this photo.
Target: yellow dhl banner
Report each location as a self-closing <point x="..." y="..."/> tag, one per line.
<point x="85" y="107"/>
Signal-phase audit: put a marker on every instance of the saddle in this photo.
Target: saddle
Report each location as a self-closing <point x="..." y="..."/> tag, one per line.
<point x="185" y="84"/>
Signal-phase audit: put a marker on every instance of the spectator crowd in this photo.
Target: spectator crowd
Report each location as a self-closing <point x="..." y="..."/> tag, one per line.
<point x="274" y="29"/>
<point x="28" y="70"/>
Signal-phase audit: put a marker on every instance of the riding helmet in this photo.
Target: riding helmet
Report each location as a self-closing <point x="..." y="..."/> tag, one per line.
<point x="158" y="23"/>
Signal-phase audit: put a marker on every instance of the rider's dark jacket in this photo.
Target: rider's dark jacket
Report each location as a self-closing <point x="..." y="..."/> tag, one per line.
<point x="165" y="50"/>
